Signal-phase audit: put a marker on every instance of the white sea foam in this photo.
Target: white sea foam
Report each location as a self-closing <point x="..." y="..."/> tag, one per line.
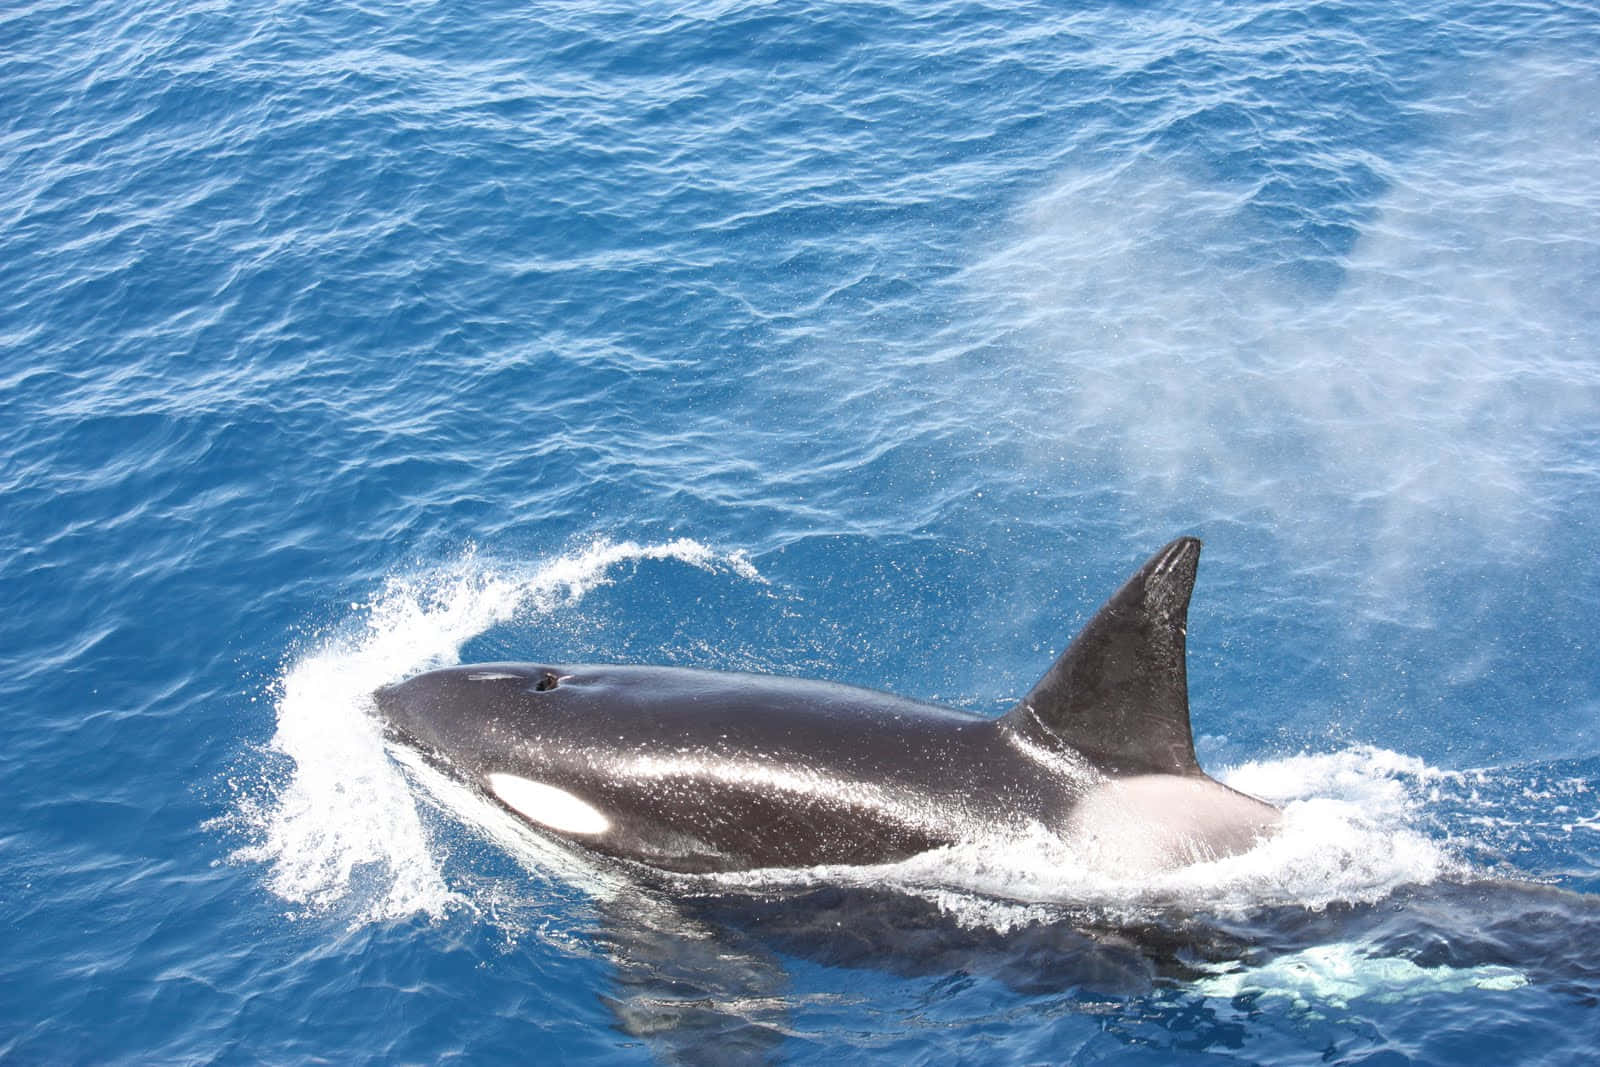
<point x="340" y="829"/>
<point x="1349" y="833"/>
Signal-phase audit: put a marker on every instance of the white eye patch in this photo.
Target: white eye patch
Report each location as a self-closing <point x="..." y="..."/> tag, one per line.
<point x="548" y="806"/>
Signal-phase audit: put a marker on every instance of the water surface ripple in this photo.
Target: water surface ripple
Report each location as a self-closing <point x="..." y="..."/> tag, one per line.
<point x="873" y="342"/>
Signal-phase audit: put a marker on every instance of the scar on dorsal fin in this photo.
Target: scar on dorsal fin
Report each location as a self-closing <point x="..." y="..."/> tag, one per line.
<point x="1119" y="694"/>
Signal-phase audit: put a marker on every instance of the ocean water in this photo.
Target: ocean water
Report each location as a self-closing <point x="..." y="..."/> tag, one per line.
<point x="869" y="342"/>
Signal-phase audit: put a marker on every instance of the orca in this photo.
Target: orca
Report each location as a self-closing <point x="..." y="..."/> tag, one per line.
<point x="694" y="771"/>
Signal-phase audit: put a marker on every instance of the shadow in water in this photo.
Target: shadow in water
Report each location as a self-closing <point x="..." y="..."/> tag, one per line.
<point x="701" y="978"/>
<point x="696" y="993"/>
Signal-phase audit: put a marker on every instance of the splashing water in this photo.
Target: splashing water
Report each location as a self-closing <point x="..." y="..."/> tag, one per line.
<point x="340" y="829"/>
<point x="1349" y="834"/>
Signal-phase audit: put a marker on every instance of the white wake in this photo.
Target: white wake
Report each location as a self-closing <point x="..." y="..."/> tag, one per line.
<point x="1351" y="832"/>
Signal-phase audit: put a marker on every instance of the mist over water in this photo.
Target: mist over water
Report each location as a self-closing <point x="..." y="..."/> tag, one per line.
<point x="1408" y="390"/>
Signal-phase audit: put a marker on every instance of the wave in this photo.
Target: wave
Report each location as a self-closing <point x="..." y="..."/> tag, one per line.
<point x="336" y="824"/>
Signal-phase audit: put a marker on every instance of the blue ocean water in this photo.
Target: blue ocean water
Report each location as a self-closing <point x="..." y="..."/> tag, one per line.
<point x="868" y="342"/>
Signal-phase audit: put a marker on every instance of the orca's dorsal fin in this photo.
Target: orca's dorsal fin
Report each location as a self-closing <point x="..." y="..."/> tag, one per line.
<point x="1119" y="694"/>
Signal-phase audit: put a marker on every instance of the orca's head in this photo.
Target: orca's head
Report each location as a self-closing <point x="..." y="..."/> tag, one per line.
<point x="442" y="709"/>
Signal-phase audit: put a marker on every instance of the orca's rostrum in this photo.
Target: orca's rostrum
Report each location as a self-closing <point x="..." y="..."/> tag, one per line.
<point x="695" y="771"/>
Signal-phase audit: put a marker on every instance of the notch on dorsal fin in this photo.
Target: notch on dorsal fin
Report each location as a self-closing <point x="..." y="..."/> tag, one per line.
<point x="1119" y="694"/>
